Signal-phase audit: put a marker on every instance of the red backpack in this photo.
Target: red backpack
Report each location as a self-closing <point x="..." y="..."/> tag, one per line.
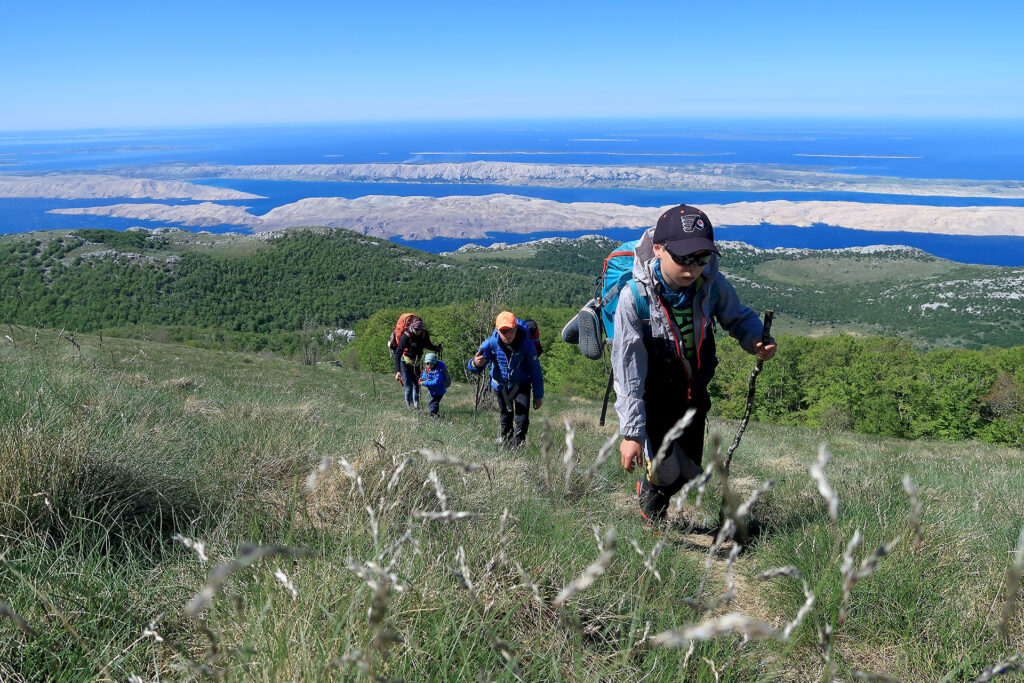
<point x="404" y="321"/>
<point x="534" y="330"/>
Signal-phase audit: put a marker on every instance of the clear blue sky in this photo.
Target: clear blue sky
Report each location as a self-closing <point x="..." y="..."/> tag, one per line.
<point x="107" y="64"/>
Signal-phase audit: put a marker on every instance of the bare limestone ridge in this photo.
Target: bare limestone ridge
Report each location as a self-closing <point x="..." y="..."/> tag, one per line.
<point x="89" y="186"/>
<point x="686" y="177"/>
<point x="469" y="217"/>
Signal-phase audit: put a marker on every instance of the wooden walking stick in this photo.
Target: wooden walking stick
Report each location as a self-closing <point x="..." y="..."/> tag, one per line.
<point x="765" y="339"/>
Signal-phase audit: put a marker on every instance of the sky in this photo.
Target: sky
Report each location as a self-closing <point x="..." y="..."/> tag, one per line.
<point x="124" y="64"/>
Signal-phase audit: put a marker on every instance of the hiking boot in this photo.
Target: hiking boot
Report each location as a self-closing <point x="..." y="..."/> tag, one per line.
<point x="571" y="331"/>
<point x="588" y="322"/>
<point x="655" y="526"/>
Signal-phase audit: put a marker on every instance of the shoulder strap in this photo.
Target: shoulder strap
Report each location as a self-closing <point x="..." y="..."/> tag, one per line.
<point x="643" y="305"/>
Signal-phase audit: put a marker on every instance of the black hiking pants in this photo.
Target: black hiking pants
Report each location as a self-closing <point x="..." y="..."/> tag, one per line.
<point x="514" y="414"/>
<point x="683" y="461"/>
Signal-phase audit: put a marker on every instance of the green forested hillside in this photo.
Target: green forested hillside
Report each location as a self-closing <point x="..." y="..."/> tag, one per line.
<point x="335" y="278"/>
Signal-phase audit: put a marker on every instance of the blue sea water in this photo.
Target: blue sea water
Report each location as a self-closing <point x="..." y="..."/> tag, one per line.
<point x="955" y="149"/>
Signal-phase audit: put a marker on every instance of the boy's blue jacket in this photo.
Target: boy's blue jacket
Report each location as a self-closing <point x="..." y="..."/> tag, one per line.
<point x="433" y="380"/>
<point x="520" y="366"/>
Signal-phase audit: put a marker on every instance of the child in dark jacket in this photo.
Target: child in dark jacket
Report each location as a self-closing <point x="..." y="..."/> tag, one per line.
<point x="433" y="380"/>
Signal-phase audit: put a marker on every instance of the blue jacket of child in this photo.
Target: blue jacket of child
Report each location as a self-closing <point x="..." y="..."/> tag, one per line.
<point x="514" y="364"/>
<point x="433" y="380"/>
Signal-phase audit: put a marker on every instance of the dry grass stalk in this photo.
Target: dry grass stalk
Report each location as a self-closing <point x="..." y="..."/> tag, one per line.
<point x="590" y="574"/>
<point x="287" y="583"/>
<point x="569" y="457"/>
<point x="1008" y="666"/>
<point x="650" y="558"/>
<point x="809" y="598"/>
<point x="545" y="447"/>
<point x="462" y="575"/>
<point x="393" y="482"/>
<point x="444" y="516"/>
<point x="197" y="546"/>
<point x="374" y="526"/>
<point x="21" y="624"/>
<point x="725" y="533"/>
<point x="150" y="631"/>
<point x="527" y="582"/>
<point x="248" y="554"/>
<point x="734" y="622"/>
<point x="670" y="438"/>
<point x="602" y="455"/>
<point x="395" y="550"/>
<point x="314" y="477"/>
<point x="1013" y="581"/>
<point x="714" y="460"/>
<point x="449" y="461"/>
<point x="915" y="510"/>
<point x="700" y="482"/>
<point x="442" y="499"/>
<point x="868" y="676"/>
<point x="824" y="488"/>
<point x="846" y="571"/>
<point x="350" y="472"/>
<point x="866" y="569"/>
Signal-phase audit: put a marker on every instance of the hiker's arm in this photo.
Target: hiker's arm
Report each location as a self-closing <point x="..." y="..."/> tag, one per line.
<point x="629" y="367"/>
<point x="427" y="344"/>
<point x="399" y="351"/>
<point x="481" y="355"/>
<point x="740" y="321"/>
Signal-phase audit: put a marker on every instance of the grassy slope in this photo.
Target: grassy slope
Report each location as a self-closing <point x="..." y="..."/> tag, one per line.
<point x="107" y="452"/>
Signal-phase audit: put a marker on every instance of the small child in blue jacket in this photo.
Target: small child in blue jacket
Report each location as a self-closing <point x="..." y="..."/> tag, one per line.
<point x="433" y="380"/>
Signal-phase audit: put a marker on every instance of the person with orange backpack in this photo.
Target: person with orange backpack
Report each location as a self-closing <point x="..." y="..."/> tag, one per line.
<point x="408" y="343"/>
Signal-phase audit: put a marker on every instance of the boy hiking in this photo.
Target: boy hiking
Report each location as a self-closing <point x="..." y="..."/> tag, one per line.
<point x="515" y="370"/>
<point x="408" y="351"/>
<point x="662" y="365"/>
<point x="433" y="379"/>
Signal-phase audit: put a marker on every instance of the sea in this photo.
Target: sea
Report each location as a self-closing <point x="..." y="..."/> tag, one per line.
<point x="970" y="150"/>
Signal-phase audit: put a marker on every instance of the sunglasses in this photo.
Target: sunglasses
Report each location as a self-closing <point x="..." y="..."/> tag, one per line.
<point x="690" y="259"/>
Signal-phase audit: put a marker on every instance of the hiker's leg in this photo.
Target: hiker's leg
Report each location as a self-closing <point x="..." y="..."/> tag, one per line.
<point x="408" y="380"/>
<point x="416" y="386"/>
<point x="522" y="419"/>
<point x="680" y="465"/>
<point x="688" y="452"/>
<point x="505" y="408"/>
<point x="435" y="405"/>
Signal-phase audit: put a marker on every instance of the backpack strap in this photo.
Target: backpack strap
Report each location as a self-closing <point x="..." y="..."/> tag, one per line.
<point x="643" y="305"/>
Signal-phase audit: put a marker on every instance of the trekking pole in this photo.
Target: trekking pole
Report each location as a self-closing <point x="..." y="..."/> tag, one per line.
<point x="476" y="403"/>
<point x="607" y="393"/>
<point x="765" y="338"/>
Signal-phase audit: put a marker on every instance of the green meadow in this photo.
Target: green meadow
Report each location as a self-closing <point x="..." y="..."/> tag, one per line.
<point x="345" y="537"/>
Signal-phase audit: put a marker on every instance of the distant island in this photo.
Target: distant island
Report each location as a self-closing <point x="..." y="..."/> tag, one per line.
<point x="697" y="177"/>
<point x="420" y="218"/>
